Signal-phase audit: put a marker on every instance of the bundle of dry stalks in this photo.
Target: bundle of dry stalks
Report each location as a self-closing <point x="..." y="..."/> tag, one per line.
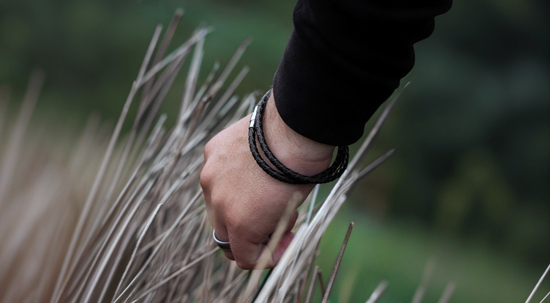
<point x="123" y="220"/>
<point x="136" y="229"/>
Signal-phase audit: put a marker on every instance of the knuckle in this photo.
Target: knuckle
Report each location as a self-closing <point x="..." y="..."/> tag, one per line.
<point x="208" y="148"/>
<point x="205" y="177"/>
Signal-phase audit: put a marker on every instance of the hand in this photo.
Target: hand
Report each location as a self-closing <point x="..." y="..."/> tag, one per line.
<point x="244" y="204"/>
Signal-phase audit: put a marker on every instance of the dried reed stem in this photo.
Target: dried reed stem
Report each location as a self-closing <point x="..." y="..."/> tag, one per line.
<point x="124" y="220"/>
<point x="538" y="285"/>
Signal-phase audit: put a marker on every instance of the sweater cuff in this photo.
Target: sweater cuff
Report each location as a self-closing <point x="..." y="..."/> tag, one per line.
<point x="303" y="84"/>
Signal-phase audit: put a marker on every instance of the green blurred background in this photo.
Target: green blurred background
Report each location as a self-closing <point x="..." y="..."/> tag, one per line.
<point x="468" y="185"/>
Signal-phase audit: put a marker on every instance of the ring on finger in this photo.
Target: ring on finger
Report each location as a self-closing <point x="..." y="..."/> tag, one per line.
<point x="223" y="245"/>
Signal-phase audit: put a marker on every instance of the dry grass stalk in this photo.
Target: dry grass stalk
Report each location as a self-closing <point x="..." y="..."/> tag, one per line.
<point x="447" y="293"/>
<point x="332" y="277"/>
<point x="377" y="293"/>
<point x="538" y="285"/>
<point x="124" y="221"/>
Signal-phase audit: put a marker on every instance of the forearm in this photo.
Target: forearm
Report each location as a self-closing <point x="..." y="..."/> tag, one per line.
<point x="344" y="59"/>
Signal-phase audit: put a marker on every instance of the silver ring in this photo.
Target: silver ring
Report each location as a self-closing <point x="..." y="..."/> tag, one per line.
<point x="221" y="244"/>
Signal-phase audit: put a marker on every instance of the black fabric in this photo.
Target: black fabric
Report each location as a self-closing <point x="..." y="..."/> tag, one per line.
<point x="344" y="58"/>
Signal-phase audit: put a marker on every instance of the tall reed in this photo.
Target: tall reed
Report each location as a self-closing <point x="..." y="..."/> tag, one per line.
<point x="121" y="218"/>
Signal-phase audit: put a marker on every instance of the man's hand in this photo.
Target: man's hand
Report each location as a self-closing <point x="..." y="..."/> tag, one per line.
<point x="244" y="203"/>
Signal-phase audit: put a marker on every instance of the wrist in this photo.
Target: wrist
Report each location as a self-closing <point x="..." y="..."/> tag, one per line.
<point x="297" y="152"/>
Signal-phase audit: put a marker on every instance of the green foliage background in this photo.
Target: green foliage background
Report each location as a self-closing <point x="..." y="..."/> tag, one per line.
<point x="468" y="184"/>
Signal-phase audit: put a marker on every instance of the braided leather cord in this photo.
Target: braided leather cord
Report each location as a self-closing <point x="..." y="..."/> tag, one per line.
<point x="285" y="174"/>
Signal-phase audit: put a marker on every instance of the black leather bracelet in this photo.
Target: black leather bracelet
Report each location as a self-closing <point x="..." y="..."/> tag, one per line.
<point x="284" y="173"/>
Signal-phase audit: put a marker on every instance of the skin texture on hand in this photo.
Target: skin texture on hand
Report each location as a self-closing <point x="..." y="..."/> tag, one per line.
<point x="244" y="204"/>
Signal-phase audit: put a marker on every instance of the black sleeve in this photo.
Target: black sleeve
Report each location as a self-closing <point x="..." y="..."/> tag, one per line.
<point x="344" y="58"/>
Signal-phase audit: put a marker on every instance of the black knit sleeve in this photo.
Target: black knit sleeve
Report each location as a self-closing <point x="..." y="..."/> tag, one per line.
<point x="344" y="58"/>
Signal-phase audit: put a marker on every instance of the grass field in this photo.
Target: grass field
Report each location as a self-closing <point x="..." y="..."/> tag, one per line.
<point x="398" y="253"/>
